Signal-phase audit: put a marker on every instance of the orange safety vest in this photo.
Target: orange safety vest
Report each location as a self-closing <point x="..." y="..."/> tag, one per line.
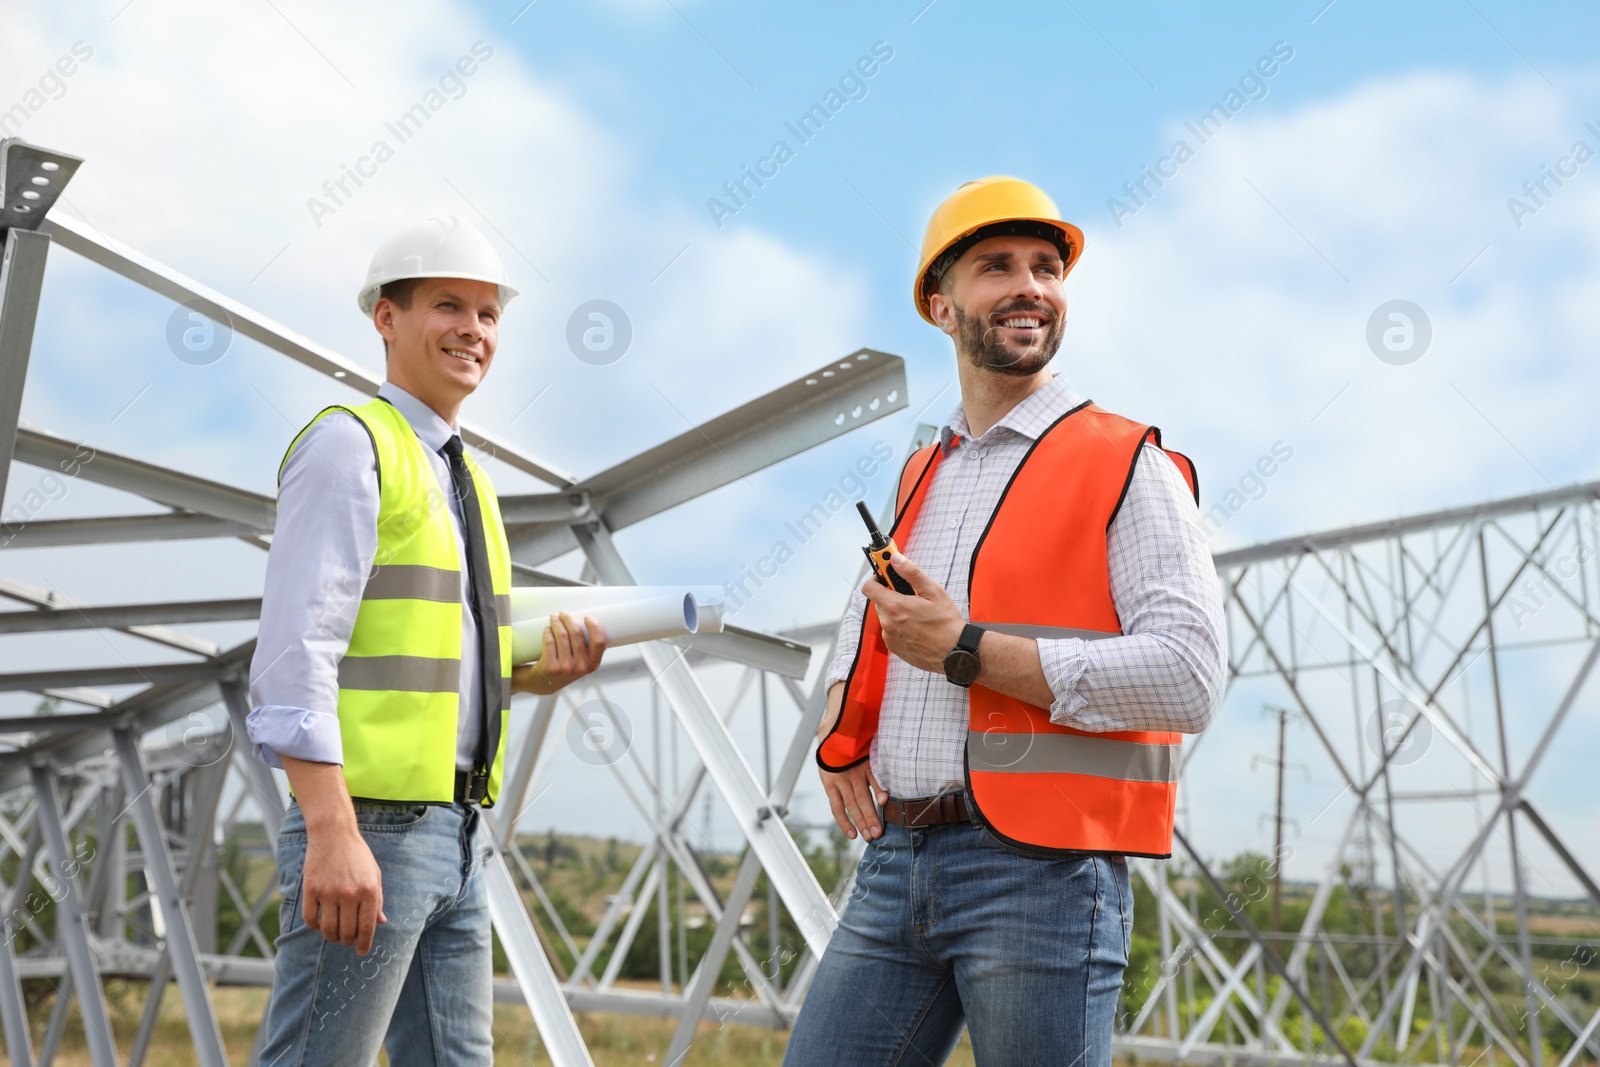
<point x="1040" y="570"/>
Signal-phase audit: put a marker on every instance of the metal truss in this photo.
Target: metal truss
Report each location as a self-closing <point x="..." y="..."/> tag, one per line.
<point x="75" y="779"/>
<point x="1430" y="615"/>
<point x="1435" y="660"/>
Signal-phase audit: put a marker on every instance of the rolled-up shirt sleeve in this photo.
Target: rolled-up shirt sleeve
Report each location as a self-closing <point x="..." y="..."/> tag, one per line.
<point x="849" y="639"/>
<point x="1168" y="670"/>
<point x="323" y="547"/>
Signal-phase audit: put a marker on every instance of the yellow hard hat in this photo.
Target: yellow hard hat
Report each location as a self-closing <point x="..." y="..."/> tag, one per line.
<point x="983" y="203"/>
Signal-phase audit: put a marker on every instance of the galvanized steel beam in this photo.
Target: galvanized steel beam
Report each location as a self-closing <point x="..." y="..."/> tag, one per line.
<point x="831" y="401"/>
<point x="72" y="925"/>
<point x="86" y="241"/>
<point x="180" y="936"/>
<point x="122" y="529"/>
<point x="130" y="674"/>
<point x="52" y="600"/>
<point x="149" y="480"/>
<point x="551" y="1014"/>
<point x="127" y="616"/>
<point x="1387" y="529"/>
<point x="21" y="278"/>
<point x="808" y="905"/>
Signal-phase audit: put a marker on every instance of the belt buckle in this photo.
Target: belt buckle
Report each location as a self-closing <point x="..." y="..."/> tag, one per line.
<point x="917" y="814"/>
<point x="933" y="811"/>
<point x="477" y="787"/>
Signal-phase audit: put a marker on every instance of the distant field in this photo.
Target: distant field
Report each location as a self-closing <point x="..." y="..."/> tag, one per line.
<point x="613" y="1039"/>
<point x="580" y="874"/>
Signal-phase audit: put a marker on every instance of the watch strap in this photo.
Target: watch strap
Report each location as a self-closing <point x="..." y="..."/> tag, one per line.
<point x="971" y="634"/>
<point x="964" y="656"/>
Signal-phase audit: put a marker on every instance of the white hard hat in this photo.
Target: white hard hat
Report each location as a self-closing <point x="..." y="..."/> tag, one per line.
<point x="442" y="247"/>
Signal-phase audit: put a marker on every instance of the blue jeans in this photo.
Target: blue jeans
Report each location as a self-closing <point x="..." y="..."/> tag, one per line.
<point x="425" y="990"/>
<point x="948" y="926"/>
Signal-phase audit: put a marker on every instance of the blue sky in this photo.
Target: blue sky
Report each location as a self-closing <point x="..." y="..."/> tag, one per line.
<point x="1230" y="308"/>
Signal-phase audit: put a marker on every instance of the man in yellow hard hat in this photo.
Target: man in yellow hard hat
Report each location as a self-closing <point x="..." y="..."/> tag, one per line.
<point x="382" y="677"/>
<point x="1008" y="733"/>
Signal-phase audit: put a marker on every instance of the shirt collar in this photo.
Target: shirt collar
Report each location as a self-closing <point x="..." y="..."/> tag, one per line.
<point x="430" y="429"/>
<point x="1029" y="419"/>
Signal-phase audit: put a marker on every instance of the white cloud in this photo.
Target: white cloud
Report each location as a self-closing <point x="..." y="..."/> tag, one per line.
<point x="204" y="132"/>
<point x="1219" y="311"/>
<point x="1232" y="308"/>
<point x="204" y="147"/>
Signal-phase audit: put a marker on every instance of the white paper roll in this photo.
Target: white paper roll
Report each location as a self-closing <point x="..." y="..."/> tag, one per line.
<point x="528" y="601"/>
<point x="627" y="622"/>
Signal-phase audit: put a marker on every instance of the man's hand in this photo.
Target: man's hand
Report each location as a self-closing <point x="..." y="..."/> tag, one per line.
<point x="568" y="656"/>
<point x="341" y="890"/>
<point x="851" y="795"/>
<point x="850" y="792"/>
<point x="920" y="629"/>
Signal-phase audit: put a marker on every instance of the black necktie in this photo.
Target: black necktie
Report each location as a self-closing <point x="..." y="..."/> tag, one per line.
<point x="483" y="607"/>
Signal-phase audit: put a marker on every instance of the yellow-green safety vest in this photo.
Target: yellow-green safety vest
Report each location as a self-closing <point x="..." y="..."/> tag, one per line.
<point x="400" y="679"/>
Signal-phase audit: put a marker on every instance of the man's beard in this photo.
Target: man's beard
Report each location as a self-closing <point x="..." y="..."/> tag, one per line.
<point x="985" y="346"/>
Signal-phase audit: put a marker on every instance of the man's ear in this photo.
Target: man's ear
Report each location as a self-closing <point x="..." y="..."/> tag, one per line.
<point x="383" y="314"/>
<point x="943" y="312"/>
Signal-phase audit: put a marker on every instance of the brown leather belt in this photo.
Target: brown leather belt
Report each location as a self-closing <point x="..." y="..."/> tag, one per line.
<point x="926" y="811"/>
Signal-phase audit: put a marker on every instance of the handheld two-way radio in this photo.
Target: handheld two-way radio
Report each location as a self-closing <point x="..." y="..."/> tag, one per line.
<point x="878" y="554"/>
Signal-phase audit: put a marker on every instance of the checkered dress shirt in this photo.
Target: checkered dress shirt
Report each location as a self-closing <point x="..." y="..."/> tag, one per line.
<point x="1166" y="672"/>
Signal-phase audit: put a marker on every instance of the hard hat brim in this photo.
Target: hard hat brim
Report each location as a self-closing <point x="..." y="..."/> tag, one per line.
<point x="367" y="298"/>
<point x="1072" y="236"/>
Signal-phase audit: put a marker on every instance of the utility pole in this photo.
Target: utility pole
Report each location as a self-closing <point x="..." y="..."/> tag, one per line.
<point x="1281" y="763"/>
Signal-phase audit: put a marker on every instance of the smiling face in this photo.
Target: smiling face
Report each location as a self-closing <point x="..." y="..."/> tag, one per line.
<point x="441" y="344"/>
<point x="1005" y="304"/>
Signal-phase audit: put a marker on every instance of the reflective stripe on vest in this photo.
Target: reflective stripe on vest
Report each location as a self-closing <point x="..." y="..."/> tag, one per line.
<point x="401" y="581"/>
<point x="1041" y="566"/>
<point x="1128" y="761"/>
<point x="400" y="678"/>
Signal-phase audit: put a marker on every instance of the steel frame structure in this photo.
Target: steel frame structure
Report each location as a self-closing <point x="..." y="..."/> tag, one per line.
<point x="1388" y="611"/>
<point x="88" y="772"/>
<point x="1384" y="640"/>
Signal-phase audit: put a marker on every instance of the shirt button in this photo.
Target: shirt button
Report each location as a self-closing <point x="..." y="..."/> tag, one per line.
<point x="972" y="453"/>
<point x="953" y="524"/>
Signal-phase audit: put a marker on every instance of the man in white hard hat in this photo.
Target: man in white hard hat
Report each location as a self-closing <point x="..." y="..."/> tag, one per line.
<point x="1005" y="734"/>
<point x="382" y="678"/>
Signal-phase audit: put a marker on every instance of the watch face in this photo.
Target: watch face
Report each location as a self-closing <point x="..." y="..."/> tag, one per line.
<point x="962" y="667"/>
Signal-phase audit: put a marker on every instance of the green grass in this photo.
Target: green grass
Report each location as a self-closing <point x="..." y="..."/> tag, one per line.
<point x="579" y="873"/>
<point x="613" y="1040"/>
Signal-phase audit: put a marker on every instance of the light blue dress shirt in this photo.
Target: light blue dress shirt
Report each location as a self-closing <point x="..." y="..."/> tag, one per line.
<point x="323" y="547"/>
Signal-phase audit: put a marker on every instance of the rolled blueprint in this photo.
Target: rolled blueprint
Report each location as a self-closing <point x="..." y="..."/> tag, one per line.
<point x="628" y="613"/>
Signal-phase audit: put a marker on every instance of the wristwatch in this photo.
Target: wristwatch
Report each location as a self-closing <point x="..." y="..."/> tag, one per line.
<point x="961" y="666"/>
